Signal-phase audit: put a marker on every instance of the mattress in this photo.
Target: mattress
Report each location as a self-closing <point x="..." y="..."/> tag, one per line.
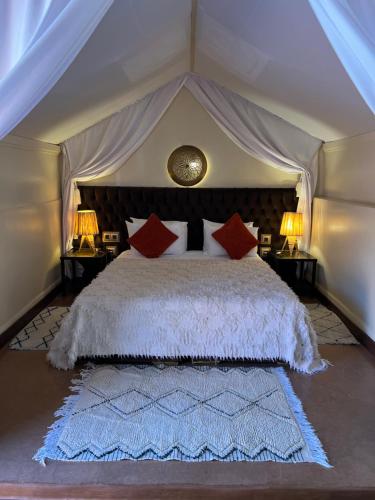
<point x="191" y="305"/>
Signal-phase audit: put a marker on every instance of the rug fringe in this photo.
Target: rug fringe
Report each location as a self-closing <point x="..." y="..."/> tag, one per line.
<point x="62" y="414"/>
<point x="318" y="454"/>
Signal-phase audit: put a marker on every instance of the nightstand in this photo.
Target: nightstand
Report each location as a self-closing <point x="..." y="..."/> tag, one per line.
<point x="92" y="264"/>
<point x="286" y="266"/>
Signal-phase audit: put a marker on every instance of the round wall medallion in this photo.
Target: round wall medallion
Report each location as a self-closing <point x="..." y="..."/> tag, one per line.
<point x="187" y="165"/>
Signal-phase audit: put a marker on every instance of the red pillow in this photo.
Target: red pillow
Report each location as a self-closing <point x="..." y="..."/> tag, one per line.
<point x="235" y="237"/>
<point x="153" y="238"/>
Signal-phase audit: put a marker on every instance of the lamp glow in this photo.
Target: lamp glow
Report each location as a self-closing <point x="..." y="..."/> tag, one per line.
<point x="86" y="226"/>
<point x="291" y="227"/>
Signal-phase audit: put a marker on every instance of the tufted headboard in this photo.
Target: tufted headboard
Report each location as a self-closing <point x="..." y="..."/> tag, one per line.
<point x="115" y="204"/>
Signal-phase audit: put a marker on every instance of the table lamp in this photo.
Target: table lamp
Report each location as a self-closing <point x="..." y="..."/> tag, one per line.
<point x="291" y="227"/>
<point x="86" y="226"/>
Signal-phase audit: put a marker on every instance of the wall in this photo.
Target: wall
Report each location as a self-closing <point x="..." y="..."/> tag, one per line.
<point x="186" y="122"/>
<point x="343" y="238"/>
<point x="30" y="228"/>
<point x="349" y="169"/>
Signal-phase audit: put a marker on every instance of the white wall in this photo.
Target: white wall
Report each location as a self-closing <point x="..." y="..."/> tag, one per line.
<point x="30" y="229"/>
<point x="343" y="236"/>
<point x="349" y="169"/>
<point x="186" y="122"/>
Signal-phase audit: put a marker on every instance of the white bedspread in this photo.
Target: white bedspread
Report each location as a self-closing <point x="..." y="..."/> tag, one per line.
<point x="198" y="307"/>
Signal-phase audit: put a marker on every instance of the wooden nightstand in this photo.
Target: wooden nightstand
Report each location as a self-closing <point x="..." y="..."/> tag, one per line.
<point x="91" y="263"/>
<point x="286" y="266"/>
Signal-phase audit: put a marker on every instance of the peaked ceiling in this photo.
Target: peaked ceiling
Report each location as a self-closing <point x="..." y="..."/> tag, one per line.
<point x="272" y="52"/>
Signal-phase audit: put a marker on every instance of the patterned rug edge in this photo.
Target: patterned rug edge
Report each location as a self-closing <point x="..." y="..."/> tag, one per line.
<point x="16" y="342"/>
<point x="48" y="450"/>
<point x="308" y="431"/>
<point x="62" y="414"/>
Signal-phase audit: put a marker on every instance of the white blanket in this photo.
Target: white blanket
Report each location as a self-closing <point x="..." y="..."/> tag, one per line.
<point x="208" y="307"/>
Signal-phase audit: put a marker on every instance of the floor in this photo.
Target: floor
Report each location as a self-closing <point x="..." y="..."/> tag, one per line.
<point x="339" y="403"/>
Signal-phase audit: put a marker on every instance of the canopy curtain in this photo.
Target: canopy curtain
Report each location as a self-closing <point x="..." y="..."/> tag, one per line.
<point x="106" y="146"/>
<point x="350" y="27"/>
<point x="39" y="39"/>
<point x="265" y="136"/>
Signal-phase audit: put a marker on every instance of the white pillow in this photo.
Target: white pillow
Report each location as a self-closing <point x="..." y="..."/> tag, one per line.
<point x="142" y="221"/>
<point x="254" y="231"/>
<point x="212" y="247"/>
<point x="178" y="228"/>
<point x="137" y="221"/>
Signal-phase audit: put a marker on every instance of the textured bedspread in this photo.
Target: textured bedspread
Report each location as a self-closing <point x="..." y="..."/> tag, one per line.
<point x="200" y="308"/>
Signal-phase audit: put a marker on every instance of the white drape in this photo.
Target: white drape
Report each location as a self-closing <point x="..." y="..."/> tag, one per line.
<point x="264" y="136"/>
<point x="39" y="39"/>
<point x="106" y="146"/>
<point x="350" y="28"/>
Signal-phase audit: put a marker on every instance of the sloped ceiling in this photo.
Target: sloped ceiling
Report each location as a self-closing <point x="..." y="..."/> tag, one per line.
<point x="272" y="52"/>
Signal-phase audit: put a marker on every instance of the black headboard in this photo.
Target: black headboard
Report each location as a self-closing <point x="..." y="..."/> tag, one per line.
<point x="115" y="204"/>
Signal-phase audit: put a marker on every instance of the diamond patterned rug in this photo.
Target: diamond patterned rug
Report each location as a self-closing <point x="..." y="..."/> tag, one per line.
<point x="182" y="413"/>
<point x="39" y="333"/>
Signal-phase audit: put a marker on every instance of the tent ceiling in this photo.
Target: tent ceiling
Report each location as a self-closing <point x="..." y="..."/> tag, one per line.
<point x="271" y="51"/>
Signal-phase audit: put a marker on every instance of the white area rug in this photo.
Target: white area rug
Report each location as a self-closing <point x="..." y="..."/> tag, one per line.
<point x="182" y="413"/>
<point x="329" y="327"/>
<point x="38" y="334"/>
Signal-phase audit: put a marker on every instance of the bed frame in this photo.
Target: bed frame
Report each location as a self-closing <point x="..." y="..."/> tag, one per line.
<point x="115" y="204"/>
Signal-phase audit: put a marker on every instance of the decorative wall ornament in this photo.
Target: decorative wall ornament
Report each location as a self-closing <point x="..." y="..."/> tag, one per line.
<point x="187" y="165"/>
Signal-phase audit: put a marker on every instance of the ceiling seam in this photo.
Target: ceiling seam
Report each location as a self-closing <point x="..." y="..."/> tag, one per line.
<point x="193" y="26"/>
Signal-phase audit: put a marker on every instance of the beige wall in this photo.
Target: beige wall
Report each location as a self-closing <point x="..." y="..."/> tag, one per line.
<point x="30" y="227"/>
<point x="343" y="236"/>
<point x="186" y="122"/>
<point x="348" y="172"/>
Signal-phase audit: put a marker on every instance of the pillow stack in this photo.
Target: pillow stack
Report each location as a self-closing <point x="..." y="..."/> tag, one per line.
<point x="148" y="237"/>
<point x="234" y="238"/>
<point x="152" y="237"/>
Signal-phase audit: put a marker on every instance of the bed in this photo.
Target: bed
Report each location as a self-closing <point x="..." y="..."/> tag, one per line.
<point x="188" y="306"/>
<point x="191" y="306"/>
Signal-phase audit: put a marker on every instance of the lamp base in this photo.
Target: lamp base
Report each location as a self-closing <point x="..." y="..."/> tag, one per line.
<point x="292" y="243"/>
<point x="89" y="238"/>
